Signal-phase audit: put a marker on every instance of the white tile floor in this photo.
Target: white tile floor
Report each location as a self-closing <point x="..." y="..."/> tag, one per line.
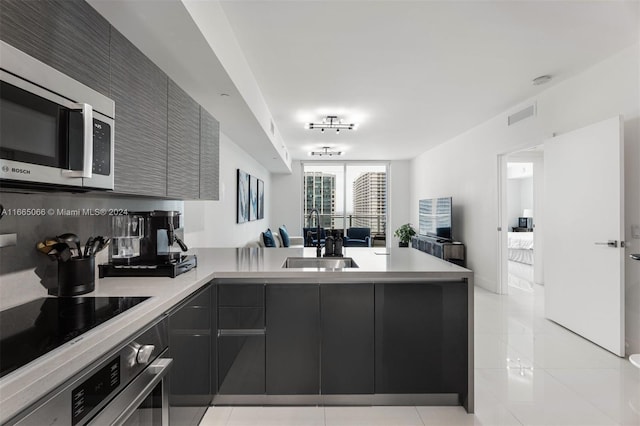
<point x="565" y="380"/>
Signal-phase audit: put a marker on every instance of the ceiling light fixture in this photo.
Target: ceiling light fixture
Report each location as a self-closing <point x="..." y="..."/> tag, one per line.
<point x="325" y="152"/>
<point x="331" y="122"/>
<point x="541" y="80"/>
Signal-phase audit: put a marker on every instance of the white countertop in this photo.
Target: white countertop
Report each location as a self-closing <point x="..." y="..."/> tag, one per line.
<point x="26" y="385"/>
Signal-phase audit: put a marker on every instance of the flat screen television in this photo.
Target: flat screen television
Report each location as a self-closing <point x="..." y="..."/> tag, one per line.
<point x="435" y="218"/>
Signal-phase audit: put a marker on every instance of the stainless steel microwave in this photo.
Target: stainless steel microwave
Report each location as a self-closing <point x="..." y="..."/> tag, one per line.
<point x="54" y="130"/>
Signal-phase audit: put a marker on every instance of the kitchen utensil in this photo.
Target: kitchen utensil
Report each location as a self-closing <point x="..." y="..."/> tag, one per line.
<point x="102" y="242"/>
<point x="54" y="249"/>
<point x="72" y="241"/>
<point x="45" y="246"/>
<point x="61" y="252"/>
<point x="88" y="247"/>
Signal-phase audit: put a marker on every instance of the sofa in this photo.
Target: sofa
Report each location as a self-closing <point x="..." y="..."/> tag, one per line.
<point x="295" y="242"/>
<point x="358" y="237"/>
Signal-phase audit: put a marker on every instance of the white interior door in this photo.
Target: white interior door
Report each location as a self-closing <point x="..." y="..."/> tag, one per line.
<point x="583" y="274"/>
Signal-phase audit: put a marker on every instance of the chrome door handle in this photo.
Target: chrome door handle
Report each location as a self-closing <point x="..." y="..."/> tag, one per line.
<point x="610" y="243"/>
<point x="120" y="408"/>
<point x="87" y="143"/>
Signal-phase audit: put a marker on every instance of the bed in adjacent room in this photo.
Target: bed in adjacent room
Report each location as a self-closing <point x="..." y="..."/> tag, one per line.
<point x="520" y="253"/>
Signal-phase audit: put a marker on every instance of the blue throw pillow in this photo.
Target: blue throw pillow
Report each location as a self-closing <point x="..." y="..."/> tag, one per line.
<point x="268" y="239"/>
<point x="284" y="235"/>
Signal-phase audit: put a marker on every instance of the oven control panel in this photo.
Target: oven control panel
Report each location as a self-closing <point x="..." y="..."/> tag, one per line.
<point x="90" y="392"/>
<point x="94" y="390"/>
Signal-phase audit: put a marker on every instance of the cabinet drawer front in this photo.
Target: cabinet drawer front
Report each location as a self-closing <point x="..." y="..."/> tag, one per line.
<point x="250" y="295"/>
<point x="192" y="318"/>
<point x="240" y="317"/>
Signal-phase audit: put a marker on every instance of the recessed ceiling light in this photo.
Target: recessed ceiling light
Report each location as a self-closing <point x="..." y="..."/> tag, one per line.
<point x="541" y="80"/>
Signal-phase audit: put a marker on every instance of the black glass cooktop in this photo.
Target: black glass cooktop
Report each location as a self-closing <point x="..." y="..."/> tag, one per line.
<point x="31" y="330"/>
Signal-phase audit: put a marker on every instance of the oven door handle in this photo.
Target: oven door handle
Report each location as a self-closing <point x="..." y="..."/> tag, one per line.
<point x="122" y="406"/>
<point x="87" y="143"/>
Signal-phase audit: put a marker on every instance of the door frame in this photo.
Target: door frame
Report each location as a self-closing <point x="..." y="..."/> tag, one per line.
<point x="502" y="219"/>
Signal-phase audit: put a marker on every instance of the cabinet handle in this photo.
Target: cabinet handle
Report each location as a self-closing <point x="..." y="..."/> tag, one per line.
<point x="87" y="143"/>
<point x="242" y="332"/>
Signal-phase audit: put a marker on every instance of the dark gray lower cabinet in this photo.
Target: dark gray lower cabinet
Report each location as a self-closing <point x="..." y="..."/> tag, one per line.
<point x="241" y="339"/>
<point x="241" y="364"/>
<point x="191" y="345"/>
<point x="421" y="338"/>
<point x="347" y="324"/>
<point x="293" y="339"/>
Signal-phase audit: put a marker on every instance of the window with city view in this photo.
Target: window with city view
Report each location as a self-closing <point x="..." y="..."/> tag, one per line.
<point x="347" y="195"/>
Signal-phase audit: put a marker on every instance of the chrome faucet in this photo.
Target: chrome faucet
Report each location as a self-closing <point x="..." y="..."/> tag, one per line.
<point x="318" y="247"/>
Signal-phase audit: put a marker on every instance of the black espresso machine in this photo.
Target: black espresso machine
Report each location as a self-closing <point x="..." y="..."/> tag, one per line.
<point x="147" y="244"/>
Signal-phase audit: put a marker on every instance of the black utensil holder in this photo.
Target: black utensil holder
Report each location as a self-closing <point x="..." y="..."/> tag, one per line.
<point x="76" y="276"/>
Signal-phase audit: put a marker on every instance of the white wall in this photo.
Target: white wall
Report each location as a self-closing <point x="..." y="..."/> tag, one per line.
<point x="519" y="197"/>
<point x="466" y="166"/>
<point x="286" y="199"/>
<point x="399" y="196"/>
<point x="286" y="206"/>
<point x="213" y="223"/>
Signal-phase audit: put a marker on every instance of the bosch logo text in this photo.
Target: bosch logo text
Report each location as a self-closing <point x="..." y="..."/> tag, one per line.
<point x="21" y="171"/>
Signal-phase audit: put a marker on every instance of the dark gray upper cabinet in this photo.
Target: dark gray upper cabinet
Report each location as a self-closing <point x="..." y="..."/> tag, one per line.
<point x="69" y="36"/>
<point x="209" y="156"/>
<point x="139" y="89"/>
<point x="183" y="163"/>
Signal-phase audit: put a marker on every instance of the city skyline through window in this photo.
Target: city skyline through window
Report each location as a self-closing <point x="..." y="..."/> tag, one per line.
<point x="347" y="195"/>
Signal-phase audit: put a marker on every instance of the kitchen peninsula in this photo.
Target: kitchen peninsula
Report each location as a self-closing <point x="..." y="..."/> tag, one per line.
<point x="396" y="329"/>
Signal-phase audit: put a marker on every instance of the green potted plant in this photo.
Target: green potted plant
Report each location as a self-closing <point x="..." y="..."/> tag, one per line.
<point x="404" y="233"/>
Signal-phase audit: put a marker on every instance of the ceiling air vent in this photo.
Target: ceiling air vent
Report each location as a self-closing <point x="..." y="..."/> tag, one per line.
<point x="529" y="111"/>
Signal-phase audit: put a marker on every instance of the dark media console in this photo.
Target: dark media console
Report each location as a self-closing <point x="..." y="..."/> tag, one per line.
<point x="451" y="251"/>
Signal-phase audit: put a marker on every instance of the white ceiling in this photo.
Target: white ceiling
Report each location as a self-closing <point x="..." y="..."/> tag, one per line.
<point x="165" y="32"/>
<point x="414" y="73"/>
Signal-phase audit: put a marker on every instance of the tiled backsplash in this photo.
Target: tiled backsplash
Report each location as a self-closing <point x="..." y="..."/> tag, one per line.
<point x="34" y="217"/>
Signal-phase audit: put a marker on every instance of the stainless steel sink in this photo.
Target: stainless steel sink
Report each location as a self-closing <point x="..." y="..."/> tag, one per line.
<point x="319" y="262"/>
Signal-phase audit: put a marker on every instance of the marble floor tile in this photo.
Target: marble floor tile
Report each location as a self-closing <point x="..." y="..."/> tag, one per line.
<point x="216" y="416"/>
<point x="372" y="416"/>
<point x="276" y="416"/>
<point x="614" y="391"/>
